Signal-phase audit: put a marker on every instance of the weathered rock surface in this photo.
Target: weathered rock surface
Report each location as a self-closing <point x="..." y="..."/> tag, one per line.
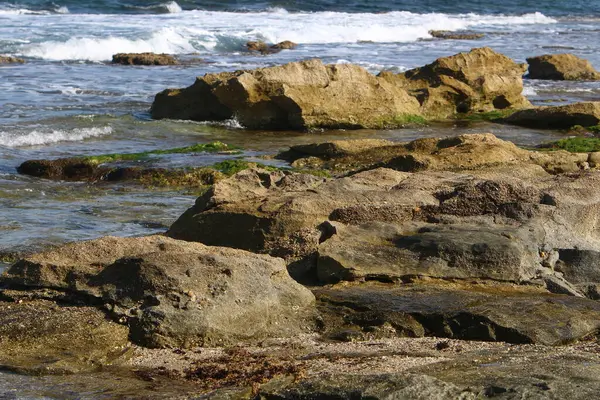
<point x="38" y="337"/>
<point x="144" y="59"/>
<point x="470" y="207"/>
<point x="478" y="81"/>
<point x="11" y="60"/>
<point x="450" y="35"/>
<point x="264" y="48"/>
<point x="308" y="94"/>
<point x="561" y="67"/>
<point x="461" y="311"/>
<point x="173" y="293"/>
<point x="558" y="117"/>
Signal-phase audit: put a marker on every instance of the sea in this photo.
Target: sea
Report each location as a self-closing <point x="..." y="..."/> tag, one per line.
<point x="69" y="100"/>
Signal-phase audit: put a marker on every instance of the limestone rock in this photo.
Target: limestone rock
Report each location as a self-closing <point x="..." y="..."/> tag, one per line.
<point x="558" y="117"/>
<point x="477" y="81"/>
<point x="285" y="45"/>
<point x="144" y="59"/>
<point x="174" y="293"/>
<point x="298" y="95"/>
<point x="258" y="45"/>
<point x="561" y="67"/>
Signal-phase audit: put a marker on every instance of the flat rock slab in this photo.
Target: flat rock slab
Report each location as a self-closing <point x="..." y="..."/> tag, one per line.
<point x="174" y="293"/>
<point x="470" y="312"/>
<point x="42" y="337"/>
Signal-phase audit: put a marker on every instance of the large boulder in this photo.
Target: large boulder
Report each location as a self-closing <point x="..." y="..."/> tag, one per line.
<point x="297" y="95"/>
<point x="558" y="117"/>
<point x="144" y="59"/>
<point x="478" y="81"/>
<point x="561" y="67"/>
<point x="309" y="94"/>
<point x="174" y="293"/>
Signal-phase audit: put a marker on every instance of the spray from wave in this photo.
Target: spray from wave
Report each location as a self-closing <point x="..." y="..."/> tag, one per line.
<point x="36" y="138"/>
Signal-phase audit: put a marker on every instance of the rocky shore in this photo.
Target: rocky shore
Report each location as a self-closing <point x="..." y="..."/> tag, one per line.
<point x="457" y="267"/>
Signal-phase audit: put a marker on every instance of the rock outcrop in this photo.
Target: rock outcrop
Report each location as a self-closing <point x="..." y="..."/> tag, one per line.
<point x="172" y="293"/>
<point x="144" y="59"/>
<point x="478" y="81"/>
<point x="11" y="60"/>
<point x="264" y="48"/>
<point x="308" y="94"/>
<point x="561" y="67"/>
<point x="558" y="117"/>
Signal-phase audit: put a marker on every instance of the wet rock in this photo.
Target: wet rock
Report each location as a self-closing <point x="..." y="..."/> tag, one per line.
<point x="285" y="45"/>
<point x="307" y="94"/>
<point x="144" y="59"/>
<point x="376" y="387"/>
<point x="467" y="311"/>
<point x="41" y="337"/>
<point x="11" y="60"/>
<point x="450" y="35"/>
<point x="478" y="81"/>
<point x="173" y="293"/>
<point x="558" y="117"/>
<point x="567" y="67"/>
<point x="258" y="45"/>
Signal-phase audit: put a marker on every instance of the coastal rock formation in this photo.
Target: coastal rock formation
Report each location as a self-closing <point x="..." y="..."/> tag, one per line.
<point x="308" y="94"/>
<point x="144" y="59"/>
<point x="450" y="35"/>
<point x="558" y="117"/>
<point x="173" y="293"/>
<point x="478" y="81"/>
<point x="264" y="48"/>
<point x="561" y="67"/>
<point x="11" y="60"/>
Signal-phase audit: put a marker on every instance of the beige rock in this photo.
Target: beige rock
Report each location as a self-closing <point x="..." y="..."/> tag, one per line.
<point x="11" y="60"/>
<point x="567" y="67"/>
<point x="558" y="117"/>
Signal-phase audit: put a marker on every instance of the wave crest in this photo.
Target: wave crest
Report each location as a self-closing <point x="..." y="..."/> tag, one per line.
<point x="36" y="138"/>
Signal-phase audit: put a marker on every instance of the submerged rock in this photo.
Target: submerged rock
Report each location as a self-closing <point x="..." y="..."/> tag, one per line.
<point x="264" y="48"/>
<point x="173" y="293"/>
<point x="558" y="117"/>
<point x="308" y="94"/>
<point x="561" y="67"/>
<point x="144" y="59"/>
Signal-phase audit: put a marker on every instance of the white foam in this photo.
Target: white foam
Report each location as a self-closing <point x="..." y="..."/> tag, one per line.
<point x="529" y="91"/>
<point x="101" y="49"/>
<point x="36" y="138"/>
<point x="200" y="31"/>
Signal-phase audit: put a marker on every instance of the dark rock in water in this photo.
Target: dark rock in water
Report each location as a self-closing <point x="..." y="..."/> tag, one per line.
<point x="461" y="311"/>
<point x="561" y="67"/>
<point x="39" y="337"/>
<point x="558" y="117"/>
<point x="264" y="48"/>
<point x="450" y="35"/>
<point x="257" y="46"/>
<point x="144" y="59"/>
<point x="174" y="293"/>
<point x="374" y="387"/>
<point x="11" y="60"/>
<point x="308" y="94"/>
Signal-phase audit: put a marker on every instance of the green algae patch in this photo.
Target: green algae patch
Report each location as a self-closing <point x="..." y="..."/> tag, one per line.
<point x="576" y="144"/>
<point x="213" y="147"/>
<point x="400" y="121"/>
<point x="486" y="116"/>
<point x="232" y="167"/>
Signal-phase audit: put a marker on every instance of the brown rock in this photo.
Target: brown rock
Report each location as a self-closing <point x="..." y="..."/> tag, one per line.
<point x="478" y="81"/>
<point x="557" y="117"/>
<point x="285" y="45"/>
<point x="259" y="46"/>
<point x="449" y="35"/>
<point x="144" y="59"/>
<point x="561" y="67"/>
<point x="11" y="60"/>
